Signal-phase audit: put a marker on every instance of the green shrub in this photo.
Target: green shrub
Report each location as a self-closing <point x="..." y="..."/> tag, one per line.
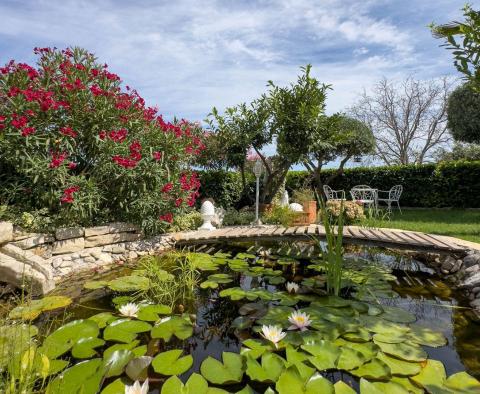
<point x="74" y="143"/>
<point x="238" y="218"/>
<point x="187" y="221"/>
<point x="279" y="215"/>
<point x="303" y="195"/>
<point x="352" y="212"/>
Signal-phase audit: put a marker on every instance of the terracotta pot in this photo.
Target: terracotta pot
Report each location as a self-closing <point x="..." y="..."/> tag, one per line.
<point x="264" y="207"/>
<point x="310" y="207"/>
<point x="301" y="219"/>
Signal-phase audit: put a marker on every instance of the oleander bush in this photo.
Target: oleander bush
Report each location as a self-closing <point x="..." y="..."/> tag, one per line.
<point x="73" y="141"/>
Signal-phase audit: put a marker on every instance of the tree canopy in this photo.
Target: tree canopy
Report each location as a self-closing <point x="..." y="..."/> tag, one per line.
<point x="463" y="113"/>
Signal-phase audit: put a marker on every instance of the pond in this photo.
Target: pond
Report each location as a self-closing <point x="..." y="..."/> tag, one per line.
<point x="394" y="318"/>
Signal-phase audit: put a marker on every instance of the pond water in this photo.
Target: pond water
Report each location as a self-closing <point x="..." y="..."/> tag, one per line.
<point x="413" y="288"/>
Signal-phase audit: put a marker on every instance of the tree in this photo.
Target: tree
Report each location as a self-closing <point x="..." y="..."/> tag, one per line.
<point x="341" y="138"/>
<point x="288" y="116"/>
<point x="463" y="39"/>
<point x="463" y="113"/>
<point x="408" y="119"/>
<point x="466" y="152"/>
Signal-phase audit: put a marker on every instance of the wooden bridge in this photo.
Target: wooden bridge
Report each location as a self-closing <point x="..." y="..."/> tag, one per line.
<point x="398" y="239"/>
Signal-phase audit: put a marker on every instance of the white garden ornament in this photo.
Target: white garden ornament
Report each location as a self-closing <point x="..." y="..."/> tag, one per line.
<point x="296" y="207"/>
<point x="284" y="201"/>
<point x="207" y="210"/>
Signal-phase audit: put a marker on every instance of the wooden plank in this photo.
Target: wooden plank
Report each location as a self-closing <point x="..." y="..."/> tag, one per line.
<point x="311" y="230"/>
<point x="290" y="231"/>
<point x="279" y="231"/>
<point x="321" y="230"/>
<point x="238" y="232"/>
<point x="432" y="239"/>
<point x="389" y="235"/>
<point x="300" y="230"/>
<point x="415" y="239"/>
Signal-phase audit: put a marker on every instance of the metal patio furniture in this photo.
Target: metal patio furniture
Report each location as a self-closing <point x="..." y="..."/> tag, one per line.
<point x="365" y="194"/>
<point x="333" y="195"/>
<point x="391" y="196"/>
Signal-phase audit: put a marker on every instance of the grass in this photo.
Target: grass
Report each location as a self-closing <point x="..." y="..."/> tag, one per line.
<point x="460" y="223"/>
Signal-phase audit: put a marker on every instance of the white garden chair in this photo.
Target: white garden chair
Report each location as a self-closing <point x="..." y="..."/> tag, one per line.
<point x="365" y="195"/>
<point x="333" y="194"/>
<point x="391" y="196"/>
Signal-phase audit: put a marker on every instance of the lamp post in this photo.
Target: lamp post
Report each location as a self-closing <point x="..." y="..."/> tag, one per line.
<point x="257" y="170"/>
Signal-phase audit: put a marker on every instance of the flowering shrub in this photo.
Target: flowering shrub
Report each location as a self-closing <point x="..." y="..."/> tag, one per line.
<point x="352" y="211"/>
<point x="74" y="142"/>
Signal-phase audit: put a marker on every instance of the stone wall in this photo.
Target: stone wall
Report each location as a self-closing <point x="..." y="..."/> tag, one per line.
<point x="463" y="273"/>
<point x="39" y="261"/>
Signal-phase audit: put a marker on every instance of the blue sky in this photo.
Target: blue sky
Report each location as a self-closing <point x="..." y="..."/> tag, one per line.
<point x="186" y="56"/>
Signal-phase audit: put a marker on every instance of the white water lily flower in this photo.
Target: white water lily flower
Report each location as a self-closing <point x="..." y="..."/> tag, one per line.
<point x="299" y="320"/>
<point x="136" y="388"/>
<point x="273" y="334"/>
<point x="292" y="287"/>
<point x="130" y="309"/>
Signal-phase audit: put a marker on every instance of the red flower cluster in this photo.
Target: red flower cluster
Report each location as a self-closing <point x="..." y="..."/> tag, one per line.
<point x="68" y="194"/>
<point x="157" y="156"/>
<point x="57" y="159"/>
<point x="135" y="149"/>
<point x="117" y="135"/>
<point x="27" y="131"/>
<point x="168" y="217"/>
<point x="124" y="161"/>
<point x="68" y="131"/>
<point x="2" y="120"/>
<point x="167" y="188"/>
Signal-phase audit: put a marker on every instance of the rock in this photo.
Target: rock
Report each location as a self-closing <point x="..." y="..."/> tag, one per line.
<point x="472" y="281"/>
<point x="69" y="232"/>
<point x="25" y="256"/>
<point x="6" y="232"/>
<point x="476" y="290"/>
<point x="85" y="253"/>
<point x="89" y="259"/>
<point x="448" y="264"/>
<point x="111" y="228"/>
<point x="472" y="269"/>
<point x="458" y="264"/>
<point x="471" y="259"/>
<point x="68" y="246"/>
<point x="475" y="304"/>
<point x="132" y="255"/>
<point x="66" y="263"/>
<point x="24" y="276"/>
<point x="75" y="256"/>
<point x="35" y="240"/>
<point x="105" y="258"/>
<point x="67" y="258"/>
<point x="57" y="262"/>
<point x="100" y="240"/>
<point x="114" y="249"/>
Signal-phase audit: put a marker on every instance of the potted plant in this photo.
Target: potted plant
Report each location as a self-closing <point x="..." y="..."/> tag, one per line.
<point x="306" y="197"/>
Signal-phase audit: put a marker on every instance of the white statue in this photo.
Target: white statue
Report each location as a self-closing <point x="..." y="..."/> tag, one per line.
<point x="207" y="210"/>
<point x="296" y="207"/>
<point x="285" y="199"/>
<point x="219" y="215"/>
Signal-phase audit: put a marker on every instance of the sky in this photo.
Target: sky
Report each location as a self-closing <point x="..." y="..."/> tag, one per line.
<point x="186" y="56"/>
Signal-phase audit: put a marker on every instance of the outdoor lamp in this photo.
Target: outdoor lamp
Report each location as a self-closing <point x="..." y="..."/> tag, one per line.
<point x="257" y="170"/>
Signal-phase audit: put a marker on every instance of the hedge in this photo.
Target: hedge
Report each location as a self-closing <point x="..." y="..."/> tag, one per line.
<point x="448" y="184"/>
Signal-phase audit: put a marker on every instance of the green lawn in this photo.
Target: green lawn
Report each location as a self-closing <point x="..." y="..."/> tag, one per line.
<point x="460" y="223"/>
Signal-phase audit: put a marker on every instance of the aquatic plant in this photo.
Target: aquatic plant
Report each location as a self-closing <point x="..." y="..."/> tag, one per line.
<point x="129" y="309"/>
<point x="299" y="320"/>
<point x="273" y="334"/>
<point x="136" y="388"/>
<point x="292" y="287"/>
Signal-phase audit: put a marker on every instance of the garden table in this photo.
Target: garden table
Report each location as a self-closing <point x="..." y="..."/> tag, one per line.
<point x="366" y="195"/>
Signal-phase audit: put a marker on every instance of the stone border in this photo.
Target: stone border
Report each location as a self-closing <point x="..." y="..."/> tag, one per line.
<point x="39" y="261"/>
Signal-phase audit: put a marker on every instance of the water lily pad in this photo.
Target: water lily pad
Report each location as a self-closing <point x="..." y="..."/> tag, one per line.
<point x="116" y="362"/>
<point x="277" y="315"/>
<point x="95" y="284"/>
<point x="85" y="347"/>
<point x="368" y="349"/>
<point x="360" y="335"/>
<point x="324" y="354"/>
<point x="122" y="300"/>
<point x="169" y="326"/>
<point x="203" y="261"/>
<point x="377" y="325"/>
<point x="275" y="280"/>
<point x="407" y="384"/>
<point x="374" y="369"/>
<point x="34" y="308"/>
<point x="290" y="381"/>
<point x="245" y="256"/>
<point x="120" y="346"/>
<point x="268" y="371"/>
<point x="349" y="359"/>
<point x="209" y="284"/>
<point x="129" y="283"/>
<point x="254" y="348"/>
<point x="170" y="362"/>
<point x="125" y="330"/>
<point x="116" y="387"/>
<point x="242" y="322"/>
<point x="103" y="319"/>
<point x="137" y="368"/>
<point x="403" y="351"/>
<point x="427" y="337"/>
<point x="253" y="309"/>
<point x="63" y="339"/>
<point x="381" y="388"/>
<point x="228" y="372"/>
<point x="84" y="377"/>
<point x="431" y="376"/>
<point x="462" y="382"/>
<point x="153" y="312"/>
<point x="234" y="293"/>
<point x="196" y="384"/>
<point x="397" y="315"/>
<point x="400" y="367"/>
<point x="343" y="388"/>
<point x="390" y="337"/>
